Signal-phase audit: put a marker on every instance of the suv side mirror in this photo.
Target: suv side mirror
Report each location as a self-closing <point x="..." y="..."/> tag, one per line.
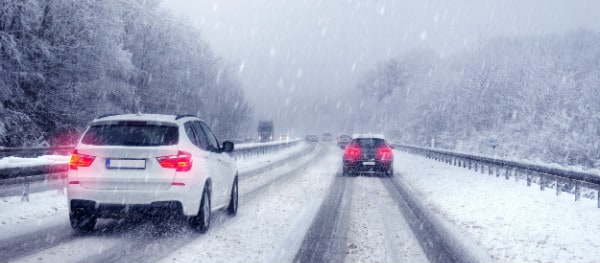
<point x="227" y="147"/>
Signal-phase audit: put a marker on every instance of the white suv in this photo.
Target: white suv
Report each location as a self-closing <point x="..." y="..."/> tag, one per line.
<point x="150" y="164"/>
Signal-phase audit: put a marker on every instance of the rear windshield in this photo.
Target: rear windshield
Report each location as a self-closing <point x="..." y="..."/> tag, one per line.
<point x="131" y="134"/>
<point x="369" y="142"/>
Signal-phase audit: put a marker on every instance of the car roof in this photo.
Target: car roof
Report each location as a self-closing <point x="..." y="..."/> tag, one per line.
<point x="143" y="117"/>
<point x="368" y="136"/>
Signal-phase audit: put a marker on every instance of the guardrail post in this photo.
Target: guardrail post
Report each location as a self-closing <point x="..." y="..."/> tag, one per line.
<point x="506" y="172"/>
<point x="577" y="191"/>
<point x="516" y="174"/>
<point x="25" y="196"/>
<point x="490" y="169"/>
<point x="528" y="177"/>
<point x="542" y="182"/>
<point x="558" y="186"/>
<point x="469" y="164"/>
<point x="497" y="171"/>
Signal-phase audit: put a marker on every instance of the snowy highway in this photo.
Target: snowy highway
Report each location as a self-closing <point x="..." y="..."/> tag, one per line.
<point x="296" y="207"/>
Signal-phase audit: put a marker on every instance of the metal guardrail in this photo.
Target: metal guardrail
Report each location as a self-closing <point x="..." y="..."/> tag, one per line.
<point x="547" y="177"/>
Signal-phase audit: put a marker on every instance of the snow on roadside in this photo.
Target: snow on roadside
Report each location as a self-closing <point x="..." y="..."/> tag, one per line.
<point x="258" y="161"/>
<point x="12" y="162"/>
<point x="513" y="222"/>
<point x="44" y="209"/>
<point x="272" y="226"/>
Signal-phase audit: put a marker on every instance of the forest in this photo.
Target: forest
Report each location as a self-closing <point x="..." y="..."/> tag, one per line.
<point x="64" y="63"/>
<point x="534" y="98"/>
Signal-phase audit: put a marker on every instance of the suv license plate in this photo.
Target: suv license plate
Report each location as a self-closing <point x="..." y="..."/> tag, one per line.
<point x="126" y="163"/>
<point x="368" y="163"/>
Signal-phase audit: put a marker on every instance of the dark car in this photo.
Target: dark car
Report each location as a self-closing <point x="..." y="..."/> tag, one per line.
<point x="311" y="138"/>
<point x="368" y="153"/>
<point x="343" y="140"/>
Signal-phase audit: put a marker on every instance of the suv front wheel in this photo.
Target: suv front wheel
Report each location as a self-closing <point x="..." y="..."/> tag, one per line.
<point x="233" y="202"/>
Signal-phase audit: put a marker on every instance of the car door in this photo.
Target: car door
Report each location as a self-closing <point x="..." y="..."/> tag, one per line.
<point x="225" y="166"/>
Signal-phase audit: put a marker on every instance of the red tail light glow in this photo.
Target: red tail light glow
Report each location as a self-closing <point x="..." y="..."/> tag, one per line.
<point x="384" y="153"/>
<point x="80" y="160"/>
<point x="352" y="152"/>
<point x="182" y="162"/>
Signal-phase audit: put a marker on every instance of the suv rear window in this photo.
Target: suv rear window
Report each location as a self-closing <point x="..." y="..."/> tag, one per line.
<point x="369" y="142"/>
<point x="131" y="134"/>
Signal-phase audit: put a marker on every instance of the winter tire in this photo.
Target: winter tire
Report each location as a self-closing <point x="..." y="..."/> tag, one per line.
<point x="201" y="222"/>
<point x="233" y="202"/>
<point x="82" y="222"/>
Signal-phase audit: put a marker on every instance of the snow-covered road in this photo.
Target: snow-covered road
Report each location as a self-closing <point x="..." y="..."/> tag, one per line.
<point x="295" y="206"/>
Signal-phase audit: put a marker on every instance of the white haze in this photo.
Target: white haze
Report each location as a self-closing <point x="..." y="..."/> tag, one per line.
<point x="299" y="60"/>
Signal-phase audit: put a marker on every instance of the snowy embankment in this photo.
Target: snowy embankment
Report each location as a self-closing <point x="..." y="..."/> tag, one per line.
<point x="13" y="162"/>
<point x="50" y="207"/>
<point x="513" y="222"/>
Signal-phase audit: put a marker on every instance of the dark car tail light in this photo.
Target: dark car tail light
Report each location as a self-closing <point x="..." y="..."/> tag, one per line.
<point x="352" y="151"/>
<point x="384" y="153"/>
<point x="80" y="160"/>
<point x="182" y="162"/>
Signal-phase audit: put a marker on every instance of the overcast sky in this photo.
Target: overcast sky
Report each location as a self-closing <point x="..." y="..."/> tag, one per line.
<point x="294" y="56"/>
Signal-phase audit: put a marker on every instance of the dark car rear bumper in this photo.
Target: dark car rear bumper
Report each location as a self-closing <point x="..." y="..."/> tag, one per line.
<point x="367" y="165"/>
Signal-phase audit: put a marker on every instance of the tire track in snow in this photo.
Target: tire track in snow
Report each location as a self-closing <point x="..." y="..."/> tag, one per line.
<point x="437" y="242"/>
<point x="325" y="240"/>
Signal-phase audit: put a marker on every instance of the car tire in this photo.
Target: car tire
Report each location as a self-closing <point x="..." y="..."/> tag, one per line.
<point x="201" y="222"/>
<point x="346" y="172"/>
<point x="390" y="172"/>
<point x="233" y="201"/>
<point x="82" y="222"/>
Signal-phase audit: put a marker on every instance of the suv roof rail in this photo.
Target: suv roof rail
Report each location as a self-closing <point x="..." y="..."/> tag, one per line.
<point x="185" y="115"/>
<point x="107" y="115"/>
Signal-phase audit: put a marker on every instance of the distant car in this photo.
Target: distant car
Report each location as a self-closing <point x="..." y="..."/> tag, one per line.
<point x="311" y="138"/>
<point x="343" y="140"/>
<point x="327" y="137"/>
<point x="368" y="152"/>
<point x="284" y="137"/>
<point x="164" y="165"/>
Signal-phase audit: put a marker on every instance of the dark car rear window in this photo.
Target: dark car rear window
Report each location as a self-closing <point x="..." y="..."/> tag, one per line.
<point x="369" y="142"/>
<point x="131" y="134"/>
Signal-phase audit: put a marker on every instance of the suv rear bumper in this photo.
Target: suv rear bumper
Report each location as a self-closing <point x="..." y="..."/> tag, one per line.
<point x="172" y="208"/>
<point x="189" y="201"/>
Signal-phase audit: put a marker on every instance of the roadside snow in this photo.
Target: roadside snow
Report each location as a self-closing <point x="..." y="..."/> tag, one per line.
<point x="258" y="161"/>
<point x="12" y="162"/>
<point x="513" y="222"/>
<point x="44" y="209"/>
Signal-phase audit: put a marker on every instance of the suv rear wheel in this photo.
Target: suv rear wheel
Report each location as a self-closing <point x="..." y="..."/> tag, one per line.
<point x="201" y="222"/>
<point x="82" y="221"/>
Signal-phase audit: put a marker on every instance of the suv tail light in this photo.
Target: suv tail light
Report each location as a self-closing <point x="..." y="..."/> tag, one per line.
<point x="352" y="152"/>
<point x="80" y="160"/>
<point x="182" y="162"/>
<point x="384" y="153"/>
